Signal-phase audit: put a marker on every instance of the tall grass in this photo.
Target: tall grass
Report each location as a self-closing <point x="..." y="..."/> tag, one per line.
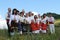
<point x="57" y="23"/>
<point x="30" y="36"/>
<point x="48" y="36"/>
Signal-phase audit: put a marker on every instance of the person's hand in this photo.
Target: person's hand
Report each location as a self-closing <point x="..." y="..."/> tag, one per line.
<point x="15" y="21"/>
<point x="12" y="27"/>
<point x="9" y="25"/>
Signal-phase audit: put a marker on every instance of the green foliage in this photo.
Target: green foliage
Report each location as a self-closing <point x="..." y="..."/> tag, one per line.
<point x="56" y="16"/>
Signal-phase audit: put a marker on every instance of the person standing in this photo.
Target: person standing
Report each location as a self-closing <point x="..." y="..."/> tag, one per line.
<point x="51" y="24"/>
<point x="27" y="22"/>
<point x="44" y="22"/>
<point x="22" y="18"/>
<point x="39" y="20"/>
<point x="8" y="19"/>
<point x="14" y="19"/>
<point x="35" y="25"/>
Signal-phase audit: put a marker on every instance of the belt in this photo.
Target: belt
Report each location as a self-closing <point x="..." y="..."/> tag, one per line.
<point x="51" y="23"/>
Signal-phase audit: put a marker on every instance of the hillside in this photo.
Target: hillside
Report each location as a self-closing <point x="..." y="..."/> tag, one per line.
<point x="55" y="15"/>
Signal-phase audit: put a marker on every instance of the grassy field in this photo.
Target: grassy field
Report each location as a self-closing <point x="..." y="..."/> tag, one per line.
<point x="57" y="23"/>
<point x="48" y="36"/>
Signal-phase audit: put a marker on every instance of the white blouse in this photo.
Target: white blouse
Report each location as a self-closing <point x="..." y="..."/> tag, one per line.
<point x="44" y="20"/>
<point x="28" y="19"/>
<point x="39" y="20"/>
<point x="21" y="18"/>
<point x="12" y="17"/>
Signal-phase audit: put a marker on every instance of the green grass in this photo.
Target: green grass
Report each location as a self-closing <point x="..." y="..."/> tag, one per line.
<point x="48" y="36"/>
<point x="57" y="23"/>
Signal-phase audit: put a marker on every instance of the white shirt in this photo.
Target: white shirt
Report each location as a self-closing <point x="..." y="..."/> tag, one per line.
<point x="8" y="14"/>
<point x="44" y="20"/>
<point x="51" y="19"/>
<point x="39" y="20"/>
<point x="28" y="19"/>
<point x="32" y="17"/>
<point x="21" y="18"/>
<point x="12" y="17"/>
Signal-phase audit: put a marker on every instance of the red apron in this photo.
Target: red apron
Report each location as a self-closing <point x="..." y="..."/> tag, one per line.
<point x="35" y="26"/>
<point x="44" y="26"/>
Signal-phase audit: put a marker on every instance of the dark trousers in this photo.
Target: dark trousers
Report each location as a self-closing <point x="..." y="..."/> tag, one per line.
<point x="8" y="26"/>
<point x="23" y="27"/>
<point x="28" y="27"/>
<point x="14" y="25"/>
<point x="19" y="26"/>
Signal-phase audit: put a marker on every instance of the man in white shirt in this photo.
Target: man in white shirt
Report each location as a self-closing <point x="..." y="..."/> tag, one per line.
<point x="22" y="18"/>
<point x="27" y="23"/>
<point x="8" y="19"/>
<point x="51" y="23"/>
<point x="28" y="19"/>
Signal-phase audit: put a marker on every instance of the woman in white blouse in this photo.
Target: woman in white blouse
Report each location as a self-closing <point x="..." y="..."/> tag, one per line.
<point x="14" y="19"/>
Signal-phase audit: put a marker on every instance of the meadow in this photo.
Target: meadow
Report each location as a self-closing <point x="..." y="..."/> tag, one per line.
<point x="30" y="36"/>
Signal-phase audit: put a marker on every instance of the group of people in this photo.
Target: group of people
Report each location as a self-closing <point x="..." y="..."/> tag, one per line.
<point x="28" y="22"/>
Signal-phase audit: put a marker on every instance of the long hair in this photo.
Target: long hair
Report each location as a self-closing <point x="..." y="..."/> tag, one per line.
<point x="13" y="11"/>
<point x="44" y="15"/>
<point x="35" y="17"/>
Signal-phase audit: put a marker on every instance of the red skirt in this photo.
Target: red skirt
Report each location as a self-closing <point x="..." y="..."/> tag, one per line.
<point x="43" y="26"/>
<point x="35" y="26"/>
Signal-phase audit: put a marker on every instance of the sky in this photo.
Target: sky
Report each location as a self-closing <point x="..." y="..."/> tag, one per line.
<point x="40" y="6"/>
